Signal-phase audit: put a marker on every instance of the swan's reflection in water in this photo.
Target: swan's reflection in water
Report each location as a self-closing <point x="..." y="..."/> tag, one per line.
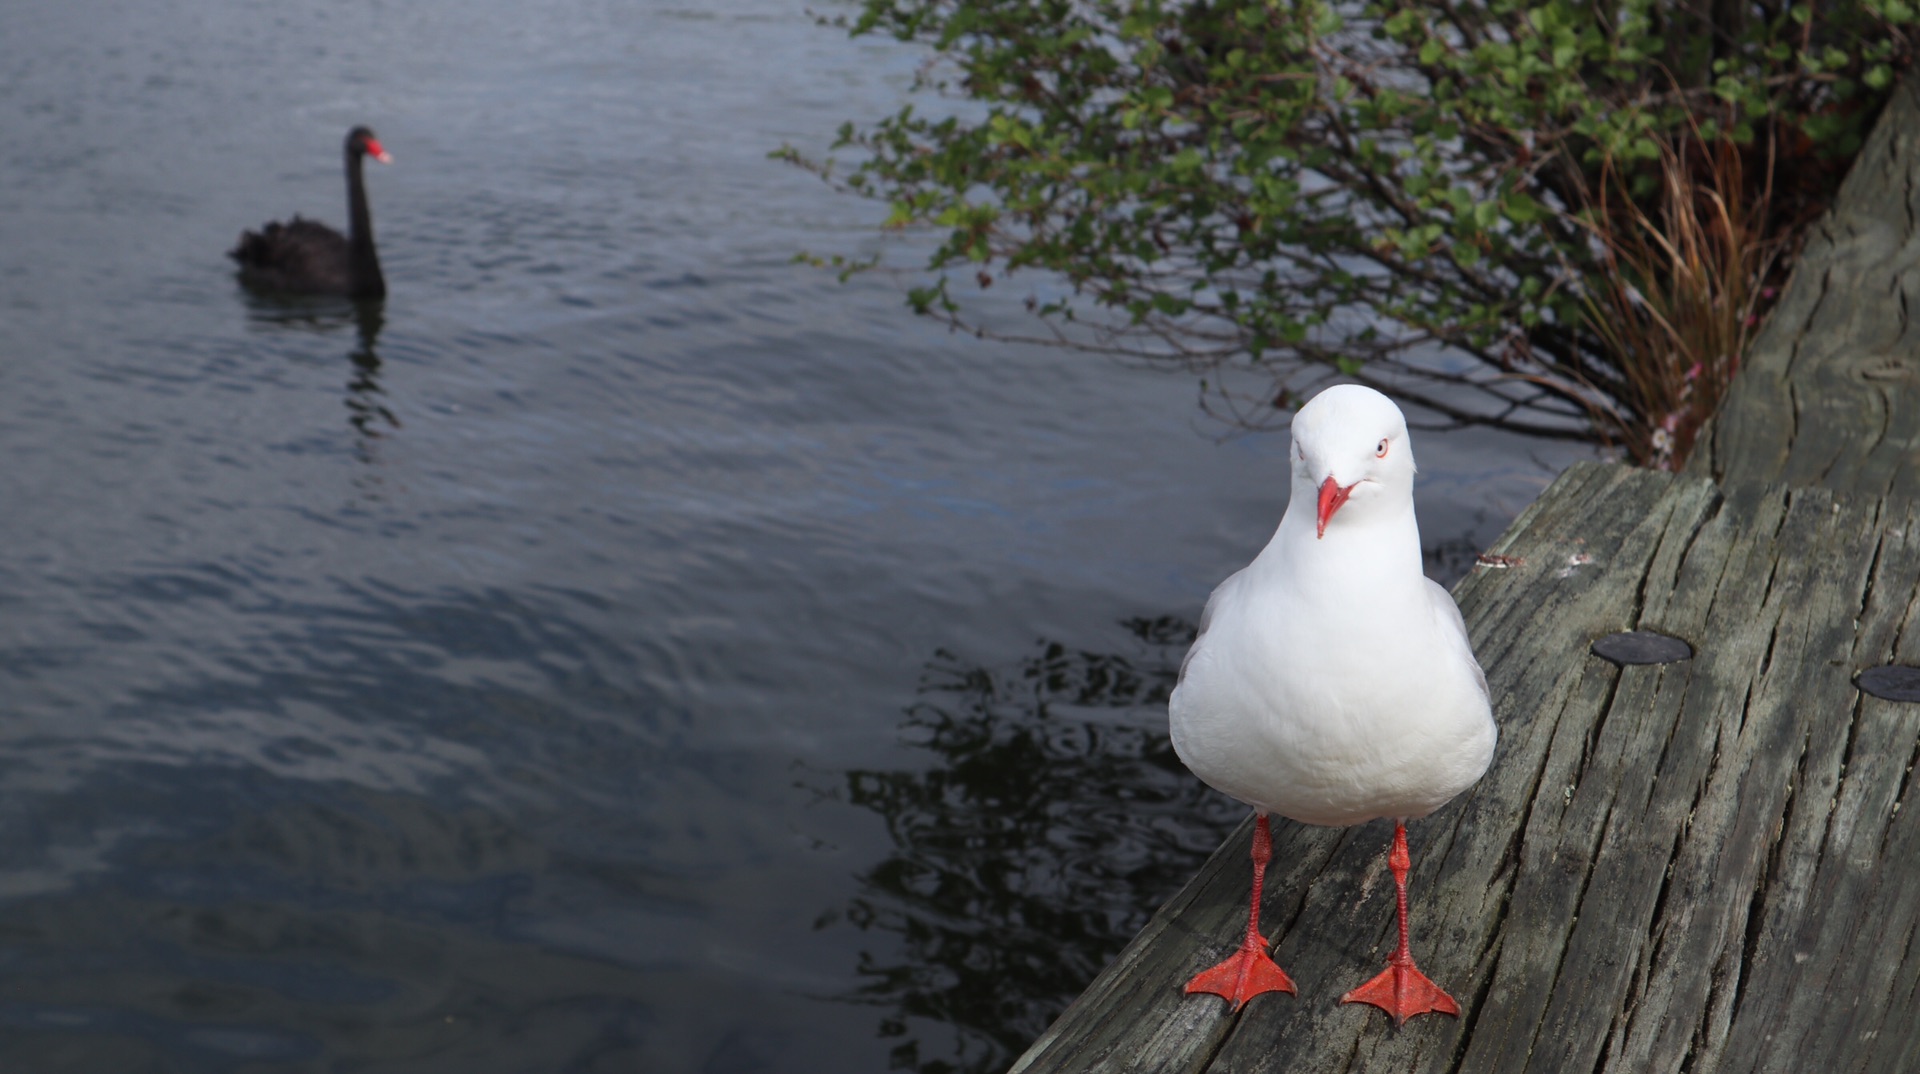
<point x="366" y="400"/>
<point x="1054" y="818"/>
<point x="370" y="416"/>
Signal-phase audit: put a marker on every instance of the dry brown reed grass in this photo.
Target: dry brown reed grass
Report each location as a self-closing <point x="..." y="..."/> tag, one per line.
<point x="1689" y="265"/>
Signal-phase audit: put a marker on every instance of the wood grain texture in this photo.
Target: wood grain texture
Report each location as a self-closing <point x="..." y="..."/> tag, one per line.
<point x="1829" y="394"/>
<point x="1693" y="866"/>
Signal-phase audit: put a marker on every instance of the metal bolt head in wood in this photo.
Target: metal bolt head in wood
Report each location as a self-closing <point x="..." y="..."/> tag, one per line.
<point x="1641" y="647"/>
<point x="1893" y="682"/>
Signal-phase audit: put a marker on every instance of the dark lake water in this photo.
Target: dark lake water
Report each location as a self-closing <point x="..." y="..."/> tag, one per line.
<point x="625" y="649"/>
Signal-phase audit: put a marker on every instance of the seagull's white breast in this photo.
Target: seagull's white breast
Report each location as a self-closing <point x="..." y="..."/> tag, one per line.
<point x="1333" y="702"/>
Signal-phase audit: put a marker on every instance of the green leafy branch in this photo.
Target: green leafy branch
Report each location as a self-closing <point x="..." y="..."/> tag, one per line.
<point x="1421" y="197"/>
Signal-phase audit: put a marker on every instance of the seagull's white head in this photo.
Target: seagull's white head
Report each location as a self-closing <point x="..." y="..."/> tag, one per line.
<point x="1351" y="451"/>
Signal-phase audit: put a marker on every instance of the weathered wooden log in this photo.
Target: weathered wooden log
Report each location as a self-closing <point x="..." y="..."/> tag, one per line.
<point x="1704" y="866"/>
<point x="1828" y="394"/>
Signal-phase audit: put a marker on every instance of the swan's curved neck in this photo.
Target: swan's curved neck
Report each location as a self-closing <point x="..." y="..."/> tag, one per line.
<point x="362" y="261"/>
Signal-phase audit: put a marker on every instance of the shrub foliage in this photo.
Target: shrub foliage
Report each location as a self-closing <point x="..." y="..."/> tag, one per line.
<point x="1433" y="197"/>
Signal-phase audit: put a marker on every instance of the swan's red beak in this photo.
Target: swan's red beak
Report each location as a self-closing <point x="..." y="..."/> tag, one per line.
<point x="1331" y="497"/>
<point x="376" y="152"/>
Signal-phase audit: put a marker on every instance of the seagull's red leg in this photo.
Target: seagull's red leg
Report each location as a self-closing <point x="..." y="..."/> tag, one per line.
<point x="1248" y="972"/>
<point x="1401" y="989"/>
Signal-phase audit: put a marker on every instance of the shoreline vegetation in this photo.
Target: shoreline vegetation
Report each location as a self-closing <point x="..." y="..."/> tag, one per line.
<point x="1563" y="219"/>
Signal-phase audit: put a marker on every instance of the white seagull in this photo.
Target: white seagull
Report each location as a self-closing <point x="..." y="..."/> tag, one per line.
<point x="1331" y="681"/>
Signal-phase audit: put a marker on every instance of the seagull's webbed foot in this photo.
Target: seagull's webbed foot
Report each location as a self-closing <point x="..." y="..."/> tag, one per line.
<point x="1245" y="974"/>
<point x="1403" y="991"/>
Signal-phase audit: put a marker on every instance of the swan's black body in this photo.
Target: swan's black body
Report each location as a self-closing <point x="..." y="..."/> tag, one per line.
<point x="308" y="257"/>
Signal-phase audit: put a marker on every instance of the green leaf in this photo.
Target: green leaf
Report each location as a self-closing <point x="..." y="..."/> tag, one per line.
<point x="1522" y="209"/>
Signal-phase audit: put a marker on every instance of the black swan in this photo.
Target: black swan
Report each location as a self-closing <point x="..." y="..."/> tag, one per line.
<point x="308" y="257"/>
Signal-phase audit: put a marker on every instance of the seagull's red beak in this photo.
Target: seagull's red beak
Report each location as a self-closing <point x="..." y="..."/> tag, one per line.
<point x="1331" y="497"/>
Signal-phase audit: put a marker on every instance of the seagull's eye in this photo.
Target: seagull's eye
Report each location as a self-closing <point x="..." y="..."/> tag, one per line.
<point x="1380" y="449"/>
